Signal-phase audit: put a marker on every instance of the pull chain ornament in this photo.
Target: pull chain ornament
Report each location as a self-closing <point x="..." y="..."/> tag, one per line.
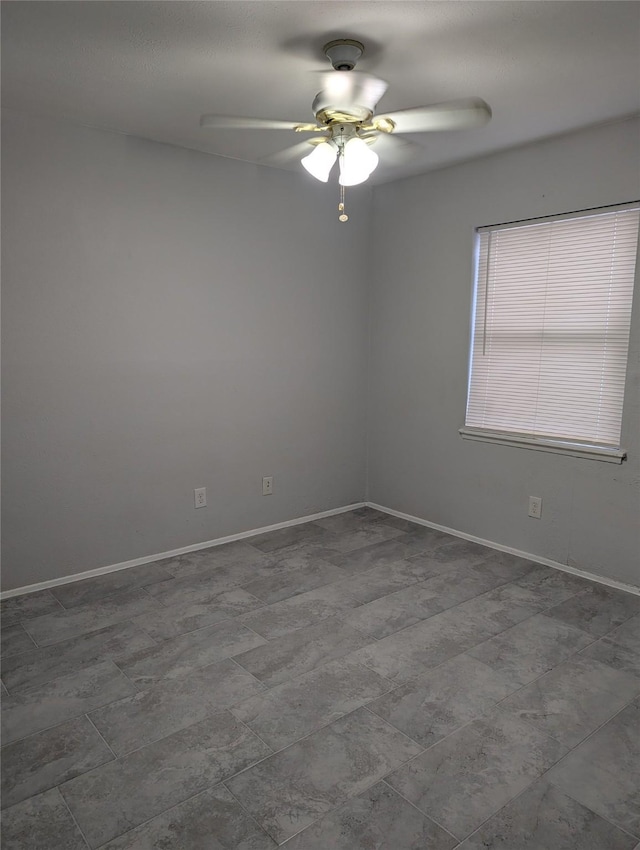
<point x="343" y="216"/>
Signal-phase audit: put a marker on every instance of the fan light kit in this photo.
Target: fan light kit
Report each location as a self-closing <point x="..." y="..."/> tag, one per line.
<point x="344" y="111"/>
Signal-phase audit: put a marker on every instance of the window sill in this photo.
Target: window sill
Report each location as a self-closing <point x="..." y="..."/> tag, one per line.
<point x="541" y="445"/>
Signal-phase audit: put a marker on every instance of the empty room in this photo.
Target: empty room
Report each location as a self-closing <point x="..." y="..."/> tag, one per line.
<point x="320" y="425"/>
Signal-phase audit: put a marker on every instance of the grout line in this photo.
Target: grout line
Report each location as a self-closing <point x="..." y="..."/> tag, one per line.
<point x="257" y="634"/>
<point x="378" y="779"/>
<point x="395" y="728"/>
<point x="163" y="812"/>
<point x="633" y="835"/>
<point x="244" y="670"/>
<point x="252" y="732"/>
<point x="590" y="735"/>
<point x="424" y="814"/>
<point x="73" y="817"/>
<point x="567" y="755"/>
<point x="71" y="717"/>
<point x="247" y="812"/>
<point x="547" y="771"/>
<point x="138" y="688"/>
<point x="155" y="641"/>
<point x="102" y="737"/>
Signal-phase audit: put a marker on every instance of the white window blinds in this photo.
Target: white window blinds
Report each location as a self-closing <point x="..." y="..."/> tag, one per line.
<point x="551" y="327"/>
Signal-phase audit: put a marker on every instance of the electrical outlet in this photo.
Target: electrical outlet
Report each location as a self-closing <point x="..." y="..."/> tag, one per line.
<point x="200" y="497"/>
<point x="535" y="507"/>
<point x="267" y="485"/>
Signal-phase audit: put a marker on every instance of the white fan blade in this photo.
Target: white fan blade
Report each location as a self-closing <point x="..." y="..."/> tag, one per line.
<point x="453" y="115"/>
<point x="229" y="122"/>
<point x="393" y="150"/>
<point x="288" y="154"/>
<point x="344" y="88"/>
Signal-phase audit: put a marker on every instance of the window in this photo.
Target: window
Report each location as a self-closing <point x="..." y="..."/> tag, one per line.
<point x="551" y="328"/>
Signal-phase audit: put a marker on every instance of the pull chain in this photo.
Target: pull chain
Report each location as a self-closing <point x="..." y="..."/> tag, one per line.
<point x="343" y="216"/>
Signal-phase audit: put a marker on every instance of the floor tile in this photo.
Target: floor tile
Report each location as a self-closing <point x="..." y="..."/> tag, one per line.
<point x="531" y="648"/>
<point x="388" y="578"/>
<point x="379" y="554"/>
<point x="460" y="552"/>
<point x="27" y="606"/>
<point x="552" y="586"/>
<point x="294" y="709"/>
<point x="505" y="565"/>
<point x="289" y="790"/>
<point x="470" y="775"/>
<point x="395" y="611"/>
<point x="440" y="701"/>
<point x="178" y="656"/>
<point x="48" y="758"/>
<point x="428" y="538"/>
<point x="41" y="823"/>
<point x="150" y="715"/>
<point x="603" y="773"/>
<point x="238" y="553"/>
<point x="212" y="820"/>
<point x="378" y="819"/>
<point x="345" y="522"/>
<point x="308" y="608"/>
<point x="620" y="649"/>
<point x="125" y="793"/>
<point x="61" y="699"/>
<point x="372" y="514"/>
<point x="428" y="565"/>
<point x="173" y="620"/>
<point x="615" y="655"/>
<point x="503" y="606"/>
<point x="543" y="818"/>
<point x="205" y="585"/>
<point x="53" y="628"/>
<point x="409" y="653"/>
<point x="14" y="640"/>
<point x="301" y="651"/>
<point x="362" y="537"/>
<point x="460" y="582"/>
<point x="93" y="589"/>
<point x="38" y="666"/>
<point x="270" y="541"/>
<point x="299" y="554"/>
<point x="574" y="699"/>
<point x="628" y="634"/>
<point x="597" y="610"/>
<point x="287" y="584"/>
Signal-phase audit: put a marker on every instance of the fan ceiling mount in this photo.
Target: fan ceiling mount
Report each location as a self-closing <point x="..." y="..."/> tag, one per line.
<point x="345" y="116"/>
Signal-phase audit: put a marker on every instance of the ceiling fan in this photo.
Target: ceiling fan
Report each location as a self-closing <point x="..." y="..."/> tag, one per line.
<point x="346" y="124"/>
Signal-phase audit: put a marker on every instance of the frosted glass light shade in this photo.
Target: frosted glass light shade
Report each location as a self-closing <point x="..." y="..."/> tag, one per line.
<point x="321" y="160"/>
<point x="357" y="162"/>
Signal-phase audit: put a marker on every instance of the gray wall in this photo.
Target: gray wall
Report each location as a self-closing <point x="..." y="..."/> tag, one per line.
<point x="420" y="325"/>
<point x="175" y="320"/>
<point x="171" y="320"/>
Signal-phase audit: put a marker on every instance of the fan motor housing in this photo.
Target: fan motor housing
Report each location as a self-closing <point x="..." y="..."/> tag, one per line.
<point x="343" y="53"/>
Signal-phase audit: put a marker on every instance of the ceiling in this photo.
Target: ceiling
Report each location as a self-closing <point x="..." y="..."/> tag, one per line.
<point x="151" y="68"/>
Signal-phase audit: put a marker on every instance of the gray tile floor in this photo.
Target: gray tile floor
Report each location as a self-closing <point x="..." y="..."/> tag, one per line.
<point x="349" y="684"/>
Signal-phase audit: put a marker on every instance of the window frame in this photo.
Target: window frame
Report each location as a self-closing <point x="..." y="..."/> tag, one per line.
<point x="555" y="445"/>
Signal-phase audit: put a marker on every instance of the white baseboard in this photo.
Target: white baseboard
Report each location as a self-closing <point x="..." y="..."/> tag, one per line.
<point x="207" y="544"/>
<point x="538" y="559"/>
<point x="149" y="559"/>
